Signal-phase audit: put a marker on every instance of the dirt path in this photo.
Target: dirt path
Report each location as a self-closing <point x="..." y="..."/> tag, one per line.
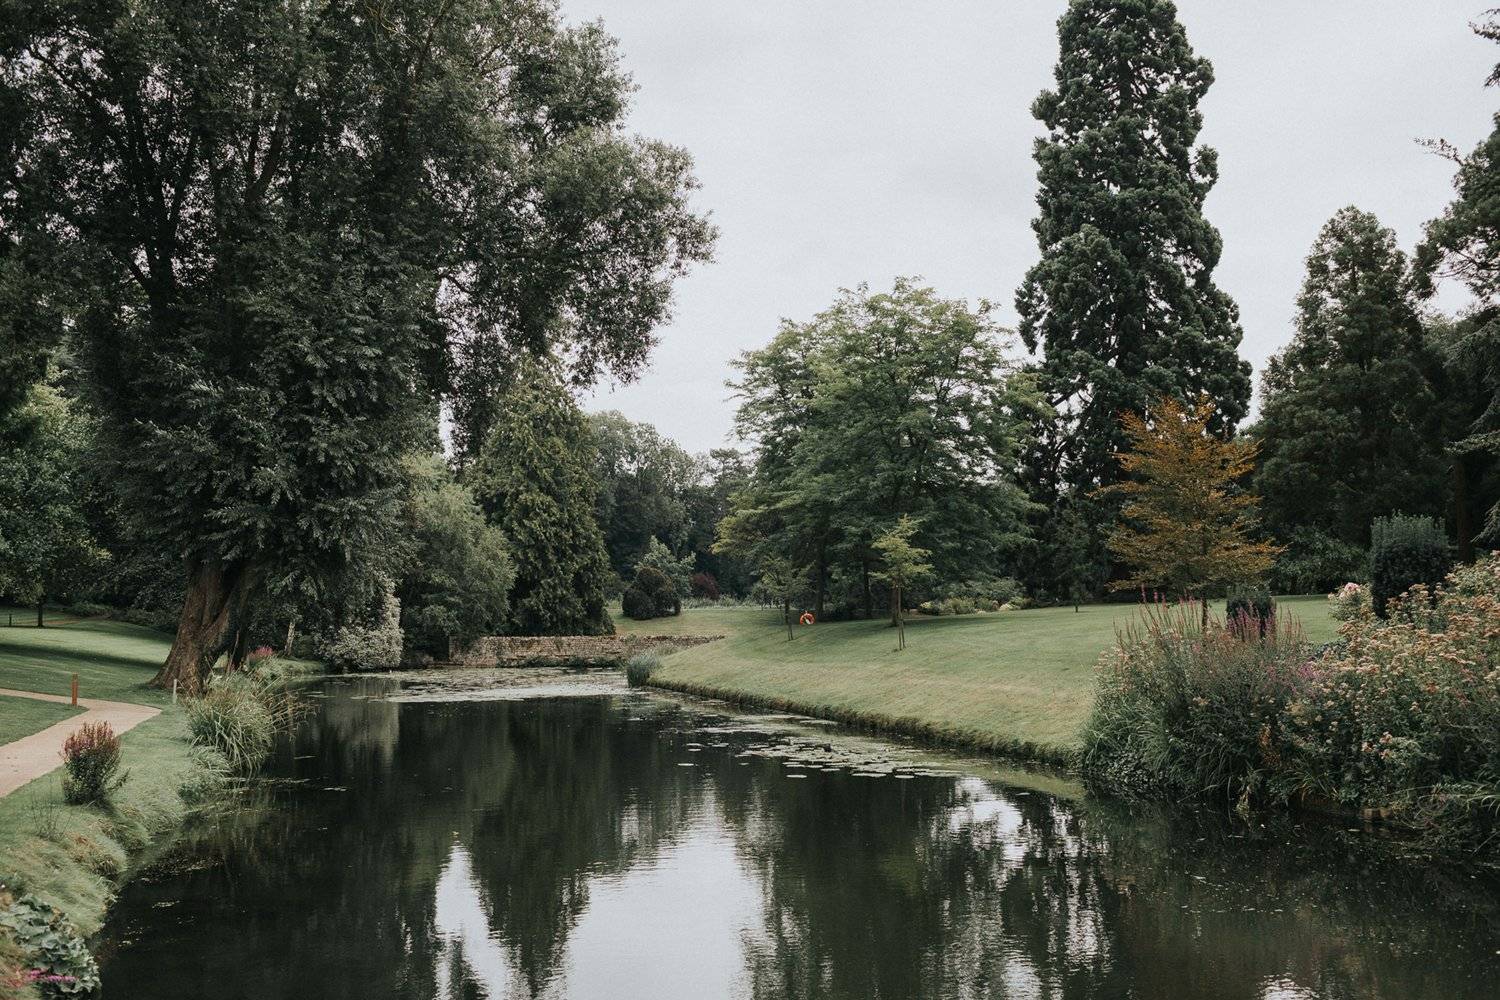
<point x="33" y="756"/>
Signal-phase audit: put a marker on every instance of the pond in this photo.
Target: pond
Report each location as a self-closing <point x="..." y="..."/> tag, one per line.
<point x="587" y="842"/>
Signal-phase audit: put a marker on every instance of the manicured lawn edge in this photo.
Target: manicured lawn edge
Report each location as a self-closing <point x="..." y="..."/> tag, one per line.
<point x="80" y="863"/>
<point x="878" y="722"/>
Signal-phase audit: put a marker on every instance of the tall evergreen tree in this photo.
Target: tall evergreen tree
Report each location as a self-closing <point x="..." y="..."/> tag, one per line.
<point x="535" y="480"/>
<point x="1464" y="244"/>
<point x="289" y="229"/>
<point x="1347" y="428"/>
<point x="1123" y="304"/>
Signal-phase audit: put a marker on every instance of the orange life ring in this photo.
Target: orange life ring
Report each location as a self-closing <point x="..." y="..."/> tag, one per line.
<point x="807" y="618"/>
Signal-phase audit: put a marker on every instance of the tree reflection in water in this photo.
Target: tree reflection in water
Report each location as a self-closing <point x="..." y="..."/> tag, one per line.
<point x="559" y="848"/>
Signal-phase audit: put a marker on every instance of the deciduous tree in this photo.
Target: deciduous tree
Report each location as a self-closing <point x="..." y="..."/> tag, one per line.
<point x="1188" y="525"/>
<point x="289" y="229"/>
<point x="902" y="565"/>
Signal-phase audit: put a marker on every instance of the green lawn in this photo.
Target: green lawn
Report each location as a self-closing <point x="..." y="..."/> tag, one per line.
<point x="72" y="856"/>
<point x="113" y="660"/>
<point x="23" y="716"/>
<point x="1017" y="681"/>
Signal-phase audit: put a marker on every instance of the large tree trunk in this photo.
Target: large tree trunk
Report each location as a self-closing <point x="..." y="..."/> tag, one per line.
<point x="41" y="608"/>
<point x="211" y="613"/>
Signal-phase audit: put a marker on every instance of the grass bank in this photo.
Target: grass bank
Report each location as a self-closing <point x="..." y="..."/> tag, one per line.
<point x="23" y="716"/>
<point x="1018" y="682"/>
<point x="75" y="856"/>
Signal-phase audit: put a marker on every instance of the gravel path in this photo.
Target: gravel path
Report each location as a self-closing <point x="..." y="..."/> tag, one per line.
<point x="33" y="756"/>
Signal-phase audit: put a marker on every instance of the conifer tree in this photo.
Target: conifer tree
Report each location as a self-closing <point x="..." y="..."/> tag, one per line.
<point x="1123" y="304"/>
<point x="535" y="480"/>
<point x="1347" y="426"/>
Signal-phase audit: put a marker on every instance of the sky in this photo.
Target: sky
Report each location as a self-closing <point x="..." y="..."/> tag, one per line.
<point x="848" y="141"/>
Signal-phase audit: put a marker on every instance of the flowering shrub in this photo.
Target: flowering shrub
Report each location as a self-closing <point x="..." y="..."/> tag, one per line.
<point x="1348" y="601"/>
<point x="1406" y="717"/>
<point x="91" y="756"/>
<point x="1184" y="709"/>
<point x="260" y="653"/>
<point x="1402" y="718"/>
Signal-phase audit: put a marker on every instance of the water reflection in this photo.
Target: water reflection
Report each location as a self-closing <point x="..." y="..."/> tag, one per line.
<point x="598" y="847"/>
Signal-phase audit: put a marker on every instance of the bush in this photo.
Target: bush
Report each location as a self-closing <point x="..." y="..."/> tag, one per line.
<point x="659" y="558"/>
<point x="58" y="959"/>
<point x="640" y="667"/>
<point x="1250" y="608"/>
<point x="1314" y="562"/>
<point x="1405" y="552"/>
<point x="375" y="646"/>
<point x="652" y="595"/>
<point x="705" y="587"/>
<point x="637" y="604"/>
<point x="1406" y="715"/>
<point x="1181" y="710"/>
<point x="1348" y="602"/>
<point x="91" y="756"/>
<point x="234" y="719"/>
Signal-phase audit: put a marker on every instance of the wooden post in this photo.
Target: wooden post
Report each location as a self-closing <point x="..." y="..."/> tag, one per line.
<point x="75" y="689"/>
<point x="174" y="690"/>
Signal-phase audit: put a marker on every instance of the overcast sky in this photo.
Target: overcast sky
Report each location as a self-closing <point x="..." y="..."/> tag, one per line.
<point x="841" y="141"/>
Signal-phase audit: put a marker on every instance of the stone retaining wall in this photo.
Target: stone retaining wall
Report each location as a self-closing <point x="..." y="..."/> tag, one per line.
<point x="573" y="650"/>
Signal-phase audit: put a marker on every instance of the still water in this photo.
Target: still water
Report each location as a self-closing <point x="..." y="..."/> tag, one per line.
<point x="625" y="846"/>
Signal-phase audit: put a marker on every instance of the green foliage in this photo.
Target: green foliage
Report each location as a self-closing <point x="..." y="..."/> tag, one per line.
<point x="1122" y="304"/>
<point x="233" y="719"/>
<point x="1250" y="608"/>
<point x="647" y="487"/>
<point x="679" y="571"/>
<point x="92" y="758"/>
<point x="885" y="404"/>
<point x="1314" y="561"/>
<point x="47" y="548"/>
<point x="1405" y="552"/>
<point x="350" y="217"/>
<point x="55" y="951"/>
<point x="456" y="570"/>
<point x="374" y="644"/>
<point x="651" y="595"/>
<point x="1185" y="708"/>
<point x="1347" y="429"/>
<point x="535" y="481"/>
<point x="1406" y="715"/>
<point x="640" y="667"/>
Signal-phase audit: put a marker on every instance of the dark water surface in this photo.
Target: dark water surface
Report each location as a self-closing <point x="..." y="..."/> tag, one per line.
<point x="626" y="847"/>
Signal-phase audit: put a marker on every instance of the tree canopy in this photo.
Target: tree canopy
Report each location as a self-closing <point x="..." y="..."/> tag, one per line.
<point x="535" y="480"/>
<point x="1347" y="427"/>
<point x="1188" y="524"/>
<point x="885" y="404"/>
<point x="1123" y="303"/>
<point x="287" y="232"/>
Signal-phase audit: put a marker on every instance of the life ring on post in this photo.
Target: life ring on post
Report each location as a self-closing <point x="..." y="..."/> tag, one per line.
<point x="807" y="618"/>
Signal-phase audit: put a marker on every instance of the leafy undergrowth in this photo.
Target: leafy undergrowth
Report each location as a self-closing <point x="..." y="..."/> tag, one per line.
<point x="1400" y="722"/>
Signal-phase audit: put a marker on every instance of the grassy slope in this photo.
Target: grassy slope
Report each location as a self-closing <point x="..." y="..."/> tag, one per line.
<point x="73" y="856"/>
<point x="1017" y="681"/>
<point x="22" y="716"/>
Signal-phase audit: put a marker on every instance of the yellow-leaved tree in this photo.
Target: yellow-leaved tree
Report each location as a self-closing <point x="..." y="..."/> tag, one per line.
<point x="1187" y="526"/>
